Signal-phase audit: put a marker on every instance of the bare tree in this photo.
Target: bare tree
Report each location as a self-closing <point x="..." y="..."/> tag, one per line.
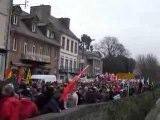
<point x="110" y="46"/>
<point x="121" y="50"/>
<point x="148" y="65"/>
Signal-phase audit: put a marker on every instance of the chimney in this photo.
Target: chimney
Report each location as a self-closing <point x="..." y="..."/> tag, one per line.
<point x="42" y="11"/>
<point x="66" y="22"/>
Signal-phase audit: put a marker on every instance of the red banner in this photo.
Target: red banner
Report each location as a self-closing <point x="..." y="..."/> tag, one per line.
<point x="71" y="85"/>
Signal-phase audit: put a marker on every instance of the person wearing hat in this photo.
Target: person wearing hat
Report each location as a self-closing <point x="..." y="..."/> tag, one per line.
<point x="9" y="104"/>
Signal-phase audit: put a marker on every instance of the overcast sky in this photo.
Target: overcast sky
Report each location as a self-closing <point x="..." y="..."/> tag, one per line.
<point x="136" y="23"/>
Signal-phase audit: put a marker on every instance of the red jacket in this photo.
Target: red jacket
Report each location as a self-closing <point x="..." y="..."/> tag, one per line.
<point x="27" y="109"/>
<point x="9" y="108"/>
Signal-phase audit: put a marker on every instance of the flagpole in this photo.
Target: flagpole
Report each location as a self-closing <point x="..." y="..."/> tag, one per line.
<point x="83" y="71"/>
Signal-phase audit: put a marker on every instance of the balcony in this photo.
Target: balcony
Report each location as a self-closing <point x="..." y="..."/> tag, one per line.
<point x="36" y="57"/>
<point x="69" y="70"/>
<point x="63" y="70"/>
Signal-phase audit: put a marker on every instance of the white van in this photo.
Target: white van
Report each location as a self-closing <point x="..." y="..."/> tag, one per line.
<point x="46" y="78"/>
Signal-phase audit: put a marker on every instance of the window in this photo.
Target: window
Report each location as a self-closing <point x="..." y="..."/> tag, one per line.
<point x="62" y="78"/>
<point x="33" y="27"/>
<point x="75" y="64"/>
<point x="25" y="48"/>
<point x="75" y="49"/>
<point x="71" y="46"/>
<point x="56" y="54"/>
<point x="48" y="51"/>
<point x="63" y="43"/>
<point x="62" y="62"/>
<point x="48" y="33"/>
<point x="68" y="44"/>
<point x="66" y="63"/>
<point x="52" y="35"/>
<point x="14" y="48"/>
<point x="41" y="52"/>
<point x="15" y="19"/>
<point x="33" y="50"/>
<point x="70" y="64"/>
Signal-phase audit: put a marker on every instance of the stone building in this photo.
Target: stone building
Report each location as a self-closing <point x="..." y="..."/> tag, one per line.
<point x="94" y="60"/>
<point x="5" y="11"/>
<point x="34" y="42"/>
<point x="43" y="43"/>
<point x="67" y="60"/>
<point x="68" y="66"/>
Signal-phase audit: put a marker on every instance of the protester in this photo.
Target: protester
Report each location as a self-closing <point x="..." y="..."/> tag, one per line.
<point x="9" y="104"/>
<point x="38" y="98"/>
<point x="27" y="109"/>
<point x="12" y="107"/>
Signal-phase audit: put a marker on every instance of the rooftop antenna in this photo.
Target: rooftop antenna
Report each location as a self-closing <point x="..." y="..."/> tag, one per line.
<point x="25" y="4"/>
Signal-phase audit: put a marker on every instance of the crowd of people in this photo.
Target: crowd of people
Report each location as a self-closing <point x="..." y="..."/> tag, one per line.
<point x="39" y="98"/>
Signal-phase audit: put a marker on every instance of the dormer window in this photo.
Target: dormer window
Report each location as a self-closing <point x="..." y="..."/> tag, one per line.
<point x="52" y="35"/>
<point x="48" y="33"/>
<point x="33" y="27"/>
<point x="15" y="19"/>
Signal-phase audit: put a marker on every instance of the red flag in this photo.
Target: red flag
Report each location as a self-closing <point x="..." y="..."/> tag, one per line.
<point x="8" y="74"/>
<point x="68" y="89"/>
<point x="71" y="86"/>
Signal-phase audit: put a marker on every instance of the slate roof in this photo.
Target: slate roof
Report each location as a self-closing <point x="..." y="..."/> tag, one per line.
<point x="23" y="29"/>
<point x="94" y="54"/>
<point x="60" y="27"/>
<point x="24" y="13"/>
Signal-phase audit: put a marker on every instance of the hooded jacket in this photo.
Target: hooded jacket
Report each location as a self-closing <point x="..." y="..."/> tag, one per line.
<point x="27" y="109"/>
<point x="9" y="108"/>
<point x="12" y="108"/>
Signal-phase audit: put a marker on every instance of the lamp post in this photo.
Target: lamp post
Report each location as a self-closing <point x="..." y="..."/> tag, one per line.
<point x="82" y="55"/>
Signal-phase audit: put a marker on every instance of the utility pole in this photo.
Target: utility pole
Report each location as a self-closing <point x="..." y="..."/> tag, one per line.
<point x="23" y="4"/>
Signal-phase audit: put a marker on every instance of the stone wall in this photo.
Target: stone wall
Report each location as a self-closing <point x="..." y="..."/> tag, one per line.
<point x="154" y="114"/>
<point x="131" y="108"/>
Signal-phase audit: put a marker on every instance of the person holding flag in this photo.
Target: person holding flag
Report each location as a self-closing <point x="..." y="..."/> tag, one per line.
<point x="67" y="90"/>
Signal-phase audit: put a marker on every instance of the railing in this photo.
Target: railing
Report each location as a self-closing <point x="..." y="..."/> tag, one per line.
<point x="36" y="57"/>
<point x="69" y="70"/>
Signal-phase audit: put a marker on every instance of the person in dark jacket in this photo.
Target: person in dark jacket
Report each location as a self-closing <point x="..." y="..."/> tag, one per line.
<point x="91" y="96"/>
<point x="51" y="107"/>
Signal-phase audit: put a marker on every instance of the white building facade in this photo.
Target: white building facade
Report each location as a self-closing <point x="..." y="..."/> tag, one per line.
<point x="68" y="65"/>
